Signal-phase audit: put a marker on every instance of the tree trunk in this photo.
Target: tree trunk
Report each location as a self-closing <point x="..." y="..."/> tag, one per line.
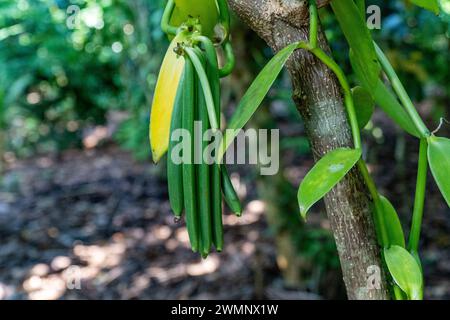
<point x="319" y="100"/>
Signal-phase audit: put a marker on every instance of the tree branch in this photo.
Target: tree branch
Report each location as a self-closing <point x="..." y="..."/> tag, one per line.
<point x="318" y="98"/>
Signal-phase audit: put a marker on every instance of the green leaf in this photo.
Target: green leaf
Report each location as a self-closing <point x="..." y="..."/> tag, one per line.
<point x="405" y="271"/>
<point x="255" y="95"/>
<point x="393" y="225"/>
<point x="439" y="159"/>
<point x="327" y="172"/>
<point x="432" y="5"/>
<point x="359" y="39"/>
<point x="364" y="105"/>
<point x="361" y="5"/>
<point x="386" y="100"/>
<point x="390" y="105"/>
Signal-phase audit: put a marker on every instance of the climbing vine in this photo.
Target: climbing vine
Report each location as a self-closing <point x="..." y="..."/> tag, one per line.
<point x="188" y="90"/>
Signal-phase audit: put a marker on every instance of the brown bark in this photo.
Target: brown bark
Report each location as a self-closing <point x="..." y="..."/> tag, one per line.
<point x="318" y="98"/>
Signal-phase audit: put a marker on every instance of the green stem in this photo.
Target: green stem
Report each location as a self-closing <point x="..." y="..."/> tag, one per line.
<point x="209" y="50"/>
<point x="414" y="236"/>
<point x="224" y="13"/>
<point x="349" y="104"/>
<point x="369" y="181"/>
<point x="165" y="21"/>
<point x="378" y="212"/>
<point x="313" y="23"/>
<point x="205" y="87"/>
<point x="348" y="98"/>
<point x="231" y="61"/>
<point x="381" y="231"/>
<point x="401" y="93"/>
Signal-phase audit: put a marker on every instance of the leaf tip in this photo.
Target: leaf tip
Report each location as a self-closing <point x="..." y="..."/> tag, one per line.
<point x="303" y="212"/>
<point x="156" y="156"/>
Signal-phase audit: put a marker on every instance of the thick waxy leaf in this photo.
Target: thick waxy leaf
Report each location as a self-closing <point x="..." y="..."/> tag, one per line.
<point x="386" y="100"/>
<point x="439" y="159"/>
<point x="205" y="10"/>
<point x="164" y="98"/>
<point x="432" y="5"/>
<point x="255" y="95"/>
<point x="393" y="225"/>
<point x="390" y="105"/>
<point x="405" y="271"/>
<point x="364" y="105"/>
<point x="359" y="39"/>
<point x="327" y="172"/>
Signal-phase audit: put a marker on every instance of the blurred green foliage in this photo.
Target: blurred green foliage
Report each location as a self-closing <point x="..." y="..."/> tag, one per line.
<point x="418" y="44"/>
<point x="68" y="65"/>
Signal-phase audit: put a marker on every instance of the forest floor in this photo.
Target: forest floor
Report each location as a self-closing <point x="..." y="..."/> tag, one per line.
<point x="96" y="225"/>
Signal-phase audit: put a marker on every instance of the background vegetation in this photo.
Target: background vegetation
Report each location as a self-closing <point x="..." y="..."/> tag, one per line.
<point x="79" y="75"/>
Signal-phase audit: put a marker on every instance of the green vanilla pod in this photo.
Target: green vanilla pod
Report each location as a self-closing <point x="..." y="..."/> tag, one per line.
<point x="189" y="181"/>
<point x="175" y="171"/>
<point x="230" y="195"/>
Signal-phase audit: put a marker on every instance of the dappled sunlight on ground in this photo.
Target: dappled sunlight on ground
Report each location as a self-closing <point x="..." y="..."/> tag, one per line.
<point x="101" y="227"/>
<point x="251" y="214"/>
<point x="98" y="226"/>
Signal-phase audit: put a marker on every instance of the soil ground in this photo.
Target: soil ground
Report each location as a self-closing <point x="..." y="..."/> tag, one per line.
<point x="97" y="225"/>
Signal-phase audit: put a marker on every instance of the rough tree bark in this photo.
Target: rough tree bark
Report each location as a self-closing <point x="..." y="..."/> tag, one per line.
<point x="318" y="98"/>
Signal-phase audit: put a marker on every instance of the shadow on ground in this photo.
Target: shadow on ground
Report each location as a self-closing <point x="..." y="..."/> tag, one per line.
<point x="97" y="225"/>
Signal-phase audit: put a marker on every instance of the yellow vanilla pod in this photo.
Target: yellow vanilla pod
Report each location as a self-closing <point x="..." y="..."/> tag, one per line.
<point x="164" y="98"/>
<point x="205" y="10"/>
